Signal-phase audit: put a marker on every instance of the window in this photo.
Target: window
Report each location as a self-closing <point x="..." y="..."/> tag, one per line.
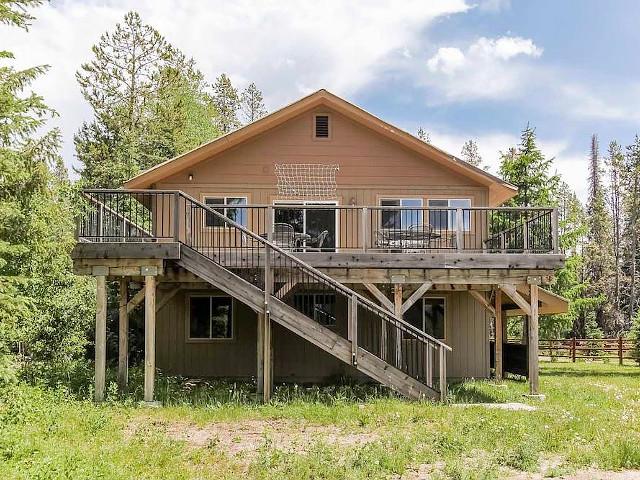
<point x="210" y="317"/>
<point x="401" y="219"/>
<point x="445" y="219"/>
<point x="319" y="306"/>
<point x="428" y="315"/>
<point x="238" y="215"/>
<point x="322" y="126"/>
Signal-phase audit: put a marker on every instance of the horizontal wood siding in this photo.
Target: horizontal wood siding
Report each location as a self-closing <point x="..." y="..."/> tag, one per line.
<point x="296" y="360"/>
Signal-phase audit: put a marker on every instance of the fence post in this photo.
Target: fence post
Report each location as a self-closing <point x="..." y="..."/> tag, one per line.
<point x="443" y="374"/>
<point x="525" y="235"/>
<point x="269" y="223"/>
<point x="100" y="222"/>
<point x="459" y="239"/>
<point x="620" y="350"/>
<point x="573" y="349"/>
<point x="365" y="230"/>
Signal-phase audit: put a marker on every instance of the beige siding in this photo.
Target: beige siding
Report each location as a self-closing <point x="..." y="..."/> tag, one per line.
<point x="467" y="332"/>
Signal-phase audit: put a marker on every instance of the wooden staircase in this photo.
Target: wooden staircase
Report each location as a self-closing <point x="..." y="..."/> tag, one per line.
<point x="305" y="327"/>
<point x="260" y="274"/>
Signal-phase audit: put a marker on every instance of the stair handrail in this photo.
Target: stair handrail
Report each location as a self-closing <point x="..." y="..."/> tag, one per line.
<point x="309" y="268"/>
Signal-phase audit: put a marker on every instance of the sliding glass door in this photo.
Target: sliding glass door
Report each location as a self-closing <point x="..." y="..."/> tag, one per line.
<point x="310" y="223"/>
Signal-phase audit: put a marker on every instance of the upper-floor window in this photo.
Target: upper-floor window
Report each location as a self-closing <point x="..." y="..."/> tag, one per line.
<point x="401" y="219"/>
<point x="237" y="214"/>
<point x="210" y="317"/>
<point x="446" y="219"/>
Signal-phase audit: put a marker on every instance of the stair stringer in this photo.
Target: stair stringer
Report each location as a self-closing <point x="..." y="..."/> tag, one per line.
<point x="303" y="326"/>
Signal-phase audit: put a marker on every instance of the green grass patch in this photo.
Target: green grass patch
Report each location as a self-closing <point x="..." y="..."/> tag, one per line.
<point x="591" y="418"/>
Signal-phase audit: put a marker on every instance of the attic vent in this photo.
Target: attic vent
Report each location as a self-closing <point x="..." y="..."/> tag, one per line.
<point x="322" y="126"/>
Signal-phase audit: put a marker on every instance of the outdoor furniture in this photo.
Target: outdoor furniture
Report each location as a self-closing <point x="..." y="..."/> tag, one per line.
<point x="284" y="235"/>
<point x="416" y="237"/>
<point x="318" y="242"/>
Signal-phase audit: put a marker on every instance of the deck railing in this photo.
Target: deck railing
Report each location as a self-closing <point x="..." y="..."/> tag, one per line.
<point x="136" y="215"/>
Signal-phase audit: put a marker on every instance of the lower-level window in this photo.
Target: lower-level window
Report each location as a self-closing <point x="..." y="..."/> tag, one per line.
<point x="210" y="317"/>
<point x="319" y="306"/>
<point x="428" y="315"/>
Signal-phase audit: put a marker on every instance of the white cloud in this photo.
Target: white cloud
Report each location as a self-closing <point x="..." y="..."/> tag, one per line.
<point x="494" y="6"/>
<point x="447" y="60"/>
<point x="286" y="48"/>
<point x="504" y="48"/>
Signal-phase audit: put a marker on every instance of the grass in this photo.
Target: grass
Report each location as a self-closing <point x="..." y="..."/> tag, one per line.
<point x="591" y="418"/>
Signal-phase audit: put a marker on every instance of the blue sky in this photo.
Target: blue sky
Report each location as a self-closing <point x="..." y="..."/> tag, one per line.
<point x="477" y="69"/>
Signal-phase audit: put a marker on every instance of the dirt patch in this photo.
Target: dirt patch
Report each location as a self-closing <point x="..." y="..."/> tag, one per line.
<point x="590" y="474"/>
<point x="246" y="438"/>
<point x="499" y="406"/>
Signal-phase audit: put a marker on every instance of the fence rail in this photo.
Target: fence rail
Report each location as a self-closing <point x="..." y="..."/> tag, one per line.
<point x="136" y="215"/>
<point x="591" y="348"/>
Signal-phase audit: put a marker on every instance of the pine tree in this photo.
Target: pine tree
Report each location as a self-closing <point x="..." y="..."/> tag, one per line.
<point x="631" y="182"/>
<point x="615" y="162"/>
<point x="424" y="135"/>
<point x="528" y="169"/>
<point x="597" y="250"/>
<point x="470" y="153"/>
<point x="252" y="104"/>
<point x="143" y="92"/>
<point x="227" y="102"/>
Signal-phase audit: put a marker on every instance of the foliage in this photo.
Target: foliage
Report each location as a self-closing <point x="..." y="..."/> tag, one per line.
<point x="470" y="153"/>
<point x="526" y="168"/>
<point x="227" y="102"/>
<point x="44" y="308"/>
<point x="424" y="135"/>
<point x="252" y="104"/>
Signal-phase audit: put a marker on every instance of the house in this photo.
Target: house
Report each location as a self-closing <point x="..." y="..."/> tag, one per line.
<point x="321" y="242"/>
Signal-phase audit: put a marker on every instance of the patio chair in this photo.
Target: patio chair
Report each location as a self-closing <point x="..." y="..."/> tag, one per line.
<point x="283" y="235"/>
<point x="418" y="237"/>
<point x="318" y="242"/>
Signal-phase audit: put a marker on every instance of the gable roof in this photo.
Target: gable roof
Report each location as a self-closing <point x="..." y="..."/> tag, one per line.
<point x="499" y="190"/>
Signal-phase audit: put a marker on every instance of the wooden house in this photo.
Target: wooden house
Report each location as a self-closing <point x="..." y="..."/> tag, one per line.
<point x="321" y="242"/>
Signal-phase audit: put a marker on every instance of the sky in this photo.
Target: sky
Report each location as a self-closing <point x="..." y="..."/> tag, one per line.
<point x="460" y="69"/>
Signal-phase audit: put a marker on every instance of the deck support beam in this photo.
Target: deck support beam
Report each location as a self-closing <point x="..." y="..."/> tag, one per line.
<point x="123" y="337"/>
<point x="149" y="336"/>
<point x="415" y="296"/>
<point x="101" y="338"/>
<point x="533" y="342"/>
<point x="260" y="354"/>
<point x="397" y="302"/>
<point x="499" y="340"/>
<point x="381" y="297"/>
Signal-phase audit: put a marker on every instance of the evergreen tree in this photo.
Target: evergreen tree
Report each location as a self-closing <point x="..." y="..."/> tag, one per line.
<point x="424" y="135"/>
<point x="597" y="250"/>
<point x="43" y="306"/>
<point x="528" y="169"/>
<point x="135" y="78"/>
<point x="631" y="182"/>
<point x="470" y="153"/>
<point x="227" y="102"/>
<point x="615" y="161"/>
<point x="252" y="104"/>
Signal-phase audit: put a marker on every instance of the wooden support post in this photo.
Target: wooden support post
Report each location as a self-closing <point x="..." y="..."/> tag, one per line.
<point x="149" y="336"/>
<point x="260" y="355"/>
<point x="353" y="328"/>
<point x="415" y="296"/>
<point x="123" y="337"/>
<point x="269" y="223"/>
<point x="176" y="217"/>
<point x="267" y="356"/>
<point x="443" y="374"/>
<point x="573" y="349"/>
<point x="101" y="338"/>
<point x="397" y="302"/>
<point x="533" y="342"/>
<point x="498" y="335"/>
<point x="366" y="229"/>
<point x="459" y="223"/>
<point x="554" y="230"/>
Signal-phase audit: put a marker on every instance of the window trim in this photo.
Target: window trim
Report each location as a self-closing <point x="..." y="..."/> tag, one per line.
<point x="225" y="198"/>
<point x="315" y="295"/>
<point x="189" y="338"/>
<point x="450" y="214"/>
<point x="313" y="127"/>
<point x="445" y="316"/>
<point x="400" y="199"/>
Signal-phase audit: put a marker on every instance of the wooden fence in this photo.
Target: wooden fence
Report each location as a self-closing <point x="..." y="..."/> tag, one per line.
<point x="593" y="348"/>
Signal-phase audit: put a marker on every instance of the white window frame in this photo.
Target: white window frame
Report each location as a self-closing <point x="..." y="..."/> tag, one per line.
<point x="446" y="308"/>
<point x="224" y="199"/>
<point x="400" y="200"/>
<point x="191" y="339"/>
<point x="451" y="214"/>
